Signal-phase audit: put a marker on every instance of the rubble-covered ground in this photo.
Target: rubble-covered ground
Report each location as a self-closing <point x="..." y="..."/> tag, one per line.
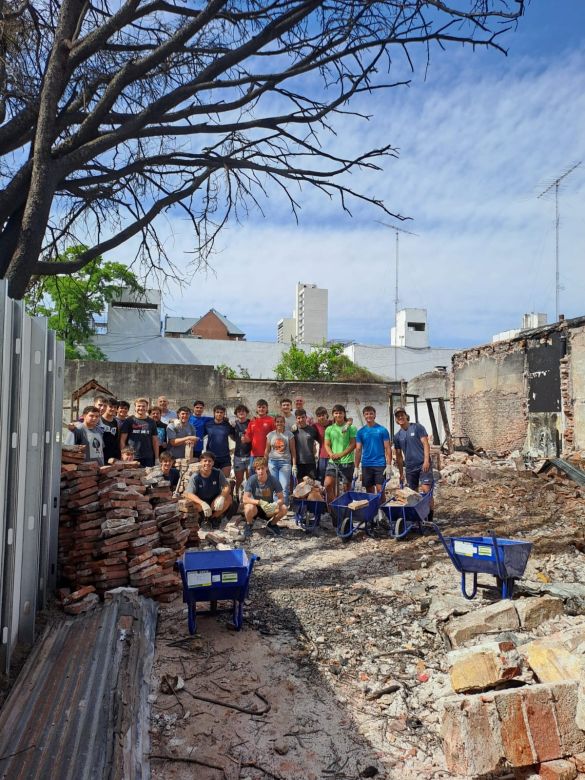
<point x="341" y="666"/>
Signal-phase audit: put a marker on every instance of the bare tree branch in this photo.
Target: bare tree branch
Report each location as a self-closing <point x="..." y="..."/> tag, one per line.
<point x="111" y="114"/>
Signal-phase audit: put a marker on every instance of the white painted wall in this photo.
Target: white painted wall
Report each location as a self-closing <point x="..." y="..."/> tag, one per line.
<point x="409" y="362"/>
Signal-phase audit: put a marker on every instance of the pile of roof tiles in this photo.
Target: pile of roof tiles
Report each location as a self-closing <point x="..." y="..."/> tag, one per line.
<point x="120" y="526"/>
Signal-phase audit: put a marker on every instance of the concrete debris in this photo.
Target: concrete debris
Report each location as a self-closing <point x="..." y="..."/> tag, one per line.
<point x="484" y="666"/>
<point x="500" y="616"/>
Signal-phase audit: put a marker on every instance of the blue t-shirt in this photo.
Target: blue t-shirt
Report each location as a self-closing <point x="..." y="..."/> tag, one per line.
<point x="409" y="441"/>
<point x="218" y="435"/>
<point x="372" y="440"/>
<point x="199" y="424"/>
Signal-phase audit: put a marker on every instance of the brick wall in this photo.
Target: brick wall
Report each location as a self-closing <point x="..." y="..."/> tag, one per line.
<point x="488" y="396"/>
<point x="210" y="327"/>
<point x="574" y="396"/>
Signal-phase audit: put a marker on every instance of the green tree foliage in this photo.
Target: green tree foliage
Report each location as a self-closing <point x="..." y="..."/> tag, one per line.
<point x="71" y="303"/>
<point x="322" y="364"/>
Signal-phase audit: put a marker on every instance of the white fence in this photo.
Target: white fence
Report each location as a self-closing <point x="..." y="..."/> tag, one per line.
<point x="31" y="400"/>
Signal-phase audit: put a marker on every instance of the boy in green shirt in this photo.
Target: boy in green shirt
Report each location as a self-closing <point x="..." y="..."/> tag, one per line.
<point x="339" y="445"/>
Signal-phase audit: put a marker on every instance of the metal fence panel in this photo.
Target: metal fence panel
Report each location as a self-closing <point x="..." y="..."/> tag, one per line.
<point x="31" y="399"/>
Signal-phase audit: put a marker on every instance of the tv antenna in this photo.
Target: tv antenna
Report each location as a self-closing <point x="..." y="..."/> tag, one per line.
<point x="555" y="185"/>
<point x="397" y="231"/>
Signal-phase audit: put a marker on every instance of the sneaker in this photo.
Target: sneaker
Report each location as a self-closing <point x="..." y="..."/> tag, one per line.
<point x="247" y="531"/>
<point x="274" y="529"/>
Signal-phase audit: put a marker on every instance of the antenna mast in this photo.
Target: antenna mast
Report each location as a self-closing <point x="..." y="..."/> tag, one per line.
<point x="556" y="184"/>
<point x="397" y="230"/>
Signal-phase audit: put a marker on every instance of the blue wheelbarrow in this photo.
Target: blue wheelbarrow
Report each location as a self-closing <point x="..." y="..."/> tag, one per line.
<point x="404" y="519"/>
<point x="215" y="575"/>
<point x="349" y="521"/>
<point x="505" y="559"/>
<point x="308" y="512"/>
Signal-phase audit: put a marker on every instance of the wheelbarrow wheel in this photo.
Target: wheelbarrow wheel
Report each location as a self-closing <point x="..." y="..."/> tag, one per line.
<point x="345" y="530"/>
<point x="399" y="527"/>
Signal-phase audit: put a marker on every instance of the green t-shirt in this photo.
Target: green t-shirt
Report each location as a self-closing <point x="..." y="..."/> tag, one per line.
<point x="338" y="441"/>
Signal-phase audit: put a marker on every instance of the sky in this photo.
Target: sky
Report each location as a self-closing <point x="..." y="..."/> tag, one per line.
<point x="480" y="135"/>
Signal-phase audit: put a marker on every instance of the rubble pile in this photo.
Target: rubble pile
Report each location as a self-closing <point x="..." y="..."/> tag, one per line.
<point x="119" y="526"/>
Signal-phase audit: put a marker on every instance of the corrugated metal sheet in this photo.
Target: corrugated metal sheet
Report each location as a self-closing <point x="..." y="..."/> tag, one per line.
<point x="567" y="468"/>
<point x="79" y="709"/>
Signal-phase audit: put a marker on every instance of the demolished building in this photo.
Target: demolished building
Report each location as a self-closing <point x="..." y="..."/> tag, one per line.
<point x="526" y="393"/>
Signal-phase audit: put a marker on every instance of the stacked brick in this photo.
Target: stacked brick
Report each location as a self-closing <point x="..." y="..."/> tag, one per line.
<point x="120" y="526"/>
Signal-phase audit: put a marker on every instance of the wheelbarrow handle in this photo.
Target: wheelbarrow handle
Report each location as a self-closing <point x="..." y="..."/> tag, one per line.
<point x="437" y="530"/>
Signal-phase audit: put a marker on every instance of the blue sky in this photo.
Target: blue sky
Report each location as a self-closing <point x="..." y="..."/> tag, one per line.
<point x="478" y="140"/>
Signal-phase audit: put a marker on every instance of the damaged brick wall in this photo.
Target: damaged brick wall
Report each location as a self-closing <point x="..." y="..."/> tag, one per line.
<point x="527" y="393"/>
<point x="488" y="396"/>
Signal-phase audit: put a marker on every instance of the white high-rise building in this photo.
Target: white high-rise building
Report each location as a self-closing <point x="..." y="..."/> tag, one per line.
<point x="286" y="330"/>
<point x="308" y="325"/>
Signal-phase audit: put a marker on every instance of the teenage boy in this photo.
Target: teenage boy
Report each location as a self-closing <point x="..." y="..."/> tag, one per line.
<point x="199" y="420"/>
<point x="373" y="453"/>
<point x="161" y="427"/>
<point x="300" y="404"/>
<point x="180" y="433"/>
<point x="209" y="490"/>
<point x="339" y="445"/>
<point x="322" y="423"/>
<point x="166" y="415"/>
<point x="123" y="412"/>
<point x="258" y="499"/>
<point x="242" y="449"/>
<point x="218" y="432"/>
<point x="167" y="466"/>
<point x="413" y="452"/>
<point x="287" y="413"/>
<point x="257" y="431"/>
<point x="306" y="445"/>
<point x="110" y="431"/>
<point x="88" y="434"/>
<point x="140" y="432"/>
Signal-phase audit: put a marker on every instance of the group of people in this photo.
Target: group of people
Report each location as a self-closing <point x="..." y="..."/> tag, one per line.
<point x="264" y="453"/>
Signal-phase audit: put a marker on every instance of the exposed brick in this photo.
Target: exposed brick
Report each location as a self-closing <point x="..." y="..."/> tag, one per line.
<point x="514" y="731"/>
<point x="540" y="714"/>
<point x="470" y="733"/>
<point x="560" y="769"/>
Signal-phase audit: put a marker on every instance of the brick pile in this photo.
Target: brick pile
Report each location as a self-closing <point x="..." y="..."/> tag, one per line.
<point x="120" y="526"/>
<point x="535" y="728"/>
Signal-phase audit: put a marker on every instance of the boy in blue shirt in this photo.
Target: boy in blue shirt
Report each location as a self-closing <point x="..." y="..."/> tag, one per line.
<point x="218" y="432"/>
<point x="413" y="453"/>
<point x="199" y="420"/>
<point x="373" y="453"/>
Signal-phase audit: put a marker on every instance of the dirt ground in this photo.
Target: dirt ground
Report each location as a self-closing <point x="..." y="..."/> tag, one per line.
<point x="340" y="668"/>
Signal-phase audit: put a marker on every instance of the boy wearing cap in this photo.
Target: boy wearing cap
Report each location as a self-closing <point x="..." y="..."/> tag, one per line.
<point x="413" y="453"/>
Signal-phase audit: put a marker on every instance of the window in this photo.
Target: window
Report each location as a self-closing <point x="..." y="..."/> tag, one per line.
<point x="417" y="326"/>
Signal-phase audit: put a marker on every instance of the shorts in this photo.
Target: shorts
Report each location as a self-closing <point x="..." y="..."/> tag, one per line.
<point x="222" y="463"/>
<point x="372" y="476"/>
<point x="346" y="470"/>
<point x="416" y="476"/>
<point x="241" y="463"/>
<point x="263" y="515"/>
<point x="305" y="470"/>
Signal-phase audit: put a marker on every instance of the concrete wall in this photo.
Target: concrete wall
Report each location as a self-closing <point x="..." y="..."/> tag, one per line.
<point x="432" y="385"/>
<point x="409" y="362"/>
<point x="353" y="396"/>
<point x="185" y="384"/>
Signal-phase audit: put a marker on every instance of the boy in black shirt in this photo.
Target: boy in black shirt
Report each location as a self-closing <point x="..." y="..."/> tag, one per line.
<point x="307" y="446"/>
<point x="140" y="432"/>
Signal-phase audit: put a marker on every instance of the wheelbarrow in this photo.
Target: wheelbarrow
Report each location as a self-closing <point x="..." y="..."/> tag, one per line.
<point x="505" y="559"/>
<point x="308" y="511"/>
<point x="215" y="575"/>
<point x="350" y="521"/>
<point x="404" y="519"/>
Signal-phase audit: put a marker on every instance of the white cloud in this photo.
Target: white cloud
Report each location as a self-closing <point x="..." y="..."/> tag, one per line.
<point x="478" y="141"/>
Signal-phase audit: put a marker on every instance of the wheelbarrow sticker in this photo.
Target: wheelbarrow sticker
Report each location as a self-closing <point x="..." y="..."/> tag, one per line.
<point x="485" y="550"/>
<point x="197" y="579"/>
<point x="229" y="576"/>
<point x="464" y="548"/>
